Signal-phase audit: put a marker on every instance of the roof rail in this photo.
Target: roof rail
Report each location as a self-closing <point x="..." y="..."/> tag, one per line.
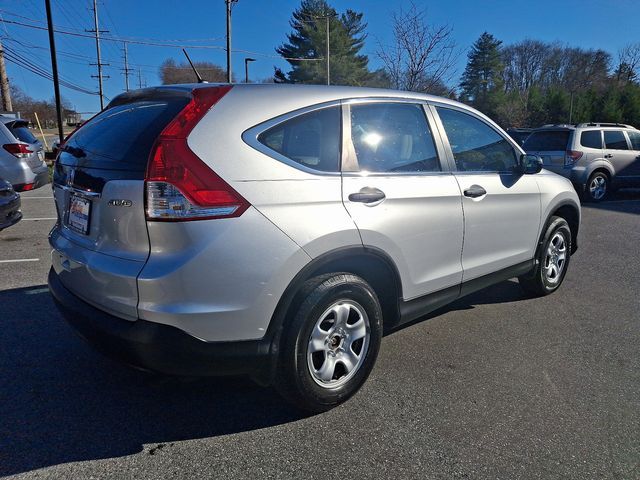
<point x="558" y="125"/>
<point x="605" y="124"/>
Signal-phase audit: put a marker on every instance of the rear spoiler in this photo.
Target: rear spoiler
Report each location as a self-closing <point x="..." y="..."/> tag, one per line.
<point x="153" y="93"/>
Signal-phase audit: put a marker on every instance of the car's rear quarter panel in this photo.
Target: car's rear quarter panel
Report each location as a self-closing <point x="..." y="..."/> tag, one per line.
<point x="218" y="280"/>
<point x="307" y="206"/>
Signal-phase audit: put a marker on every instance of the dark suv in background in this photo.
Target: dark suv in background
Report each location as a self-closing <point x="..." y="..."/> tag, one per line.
<point x="596" y="157"/>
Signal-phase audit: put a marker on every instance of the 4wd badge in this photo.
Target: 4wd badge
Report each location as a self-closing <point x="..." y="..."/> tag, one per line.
<point x="120" y="203"/>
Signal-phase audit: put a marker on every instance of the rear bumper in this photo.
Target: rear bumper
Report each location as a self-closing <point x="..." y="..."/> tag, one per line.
<point x="157" y="347"/>
<point x="40" y="179"/>
<point x="9" y="212"/>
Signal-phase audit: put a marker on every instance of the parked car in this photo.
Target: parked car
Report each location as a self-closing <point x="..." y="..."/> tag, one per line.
<point x="519" y="134"/>
<point x="596" y="157"/>
<point x="53" y="153"/>
<point x="22" y="156"/>
<point x="10" y="213"/>
<point x="277" y="230"/>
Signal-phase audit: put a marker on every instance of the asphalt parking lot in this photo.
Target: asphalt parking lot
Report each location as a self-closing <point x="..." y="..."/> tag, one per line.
<point x="495" y="386"/>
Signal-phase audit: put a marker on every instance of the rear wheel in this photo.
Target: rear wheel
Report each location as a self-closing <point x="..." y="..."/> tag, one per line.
<point x="331" y="342"/>
<point x="552" y="260"/>
<point x="597" y="187"/>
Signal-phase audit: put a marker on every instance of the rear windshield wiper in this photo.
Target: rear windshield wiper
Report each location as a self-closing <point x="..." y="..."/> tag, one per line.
<point x="75" y="151"/>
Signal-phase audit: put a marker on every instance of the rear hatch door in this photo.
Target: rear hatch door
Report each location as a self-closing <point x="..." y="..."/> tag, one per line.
<point x="101" y="241"/>
<point x="20" y="130"/>
<point x="549" y="144"/>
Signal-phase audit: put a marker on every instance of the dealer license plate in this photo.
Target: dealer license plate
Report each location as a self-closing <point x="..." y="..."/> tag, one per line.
<point x="79" y="214"/>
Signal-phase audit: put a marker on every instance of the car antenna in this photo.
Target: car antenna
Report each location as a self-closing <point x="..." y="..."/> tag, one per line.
<point x="195" y="70"/>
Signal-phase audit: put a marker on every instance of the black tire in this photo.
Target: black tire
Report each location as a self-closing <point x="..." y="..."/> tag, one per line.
<point x="541" y="280"/>
<point x="593" y="194"/>
<point x="294" y="378"/>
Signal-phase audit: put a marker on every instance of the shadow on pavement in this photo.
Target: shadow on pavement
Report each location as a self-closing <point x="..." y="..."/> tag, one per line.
<point x="503" y="292"/>
<point x="61" y="402"/>
<point x="620" y="201"/>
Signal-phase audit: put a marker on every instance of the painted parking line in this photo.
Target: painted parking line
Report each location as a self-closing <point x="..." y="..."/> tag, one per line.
<point x="42" y="218"/>
<point x="18" y="260"/>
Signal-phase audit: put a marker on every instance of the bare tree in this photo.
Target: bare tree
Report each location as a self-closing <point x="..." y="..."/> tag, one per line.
<point x="422" y="56"/>
<point x="172" y="72"/>
<point x="628" y="62"/>
<point x="523" y="64"/>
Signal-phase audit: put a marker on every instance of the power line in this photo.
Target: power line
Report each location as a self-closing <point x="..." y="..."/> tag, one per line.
<point x="157" y="44"/>
<point x="26" y="58"/>
<point x="25" y="63"/>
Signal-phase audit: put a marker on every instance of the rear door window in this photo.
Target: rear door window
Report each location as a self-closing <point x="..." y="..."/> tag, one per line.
<point x="615" y="140"/>
<point x="476" y="146"/>
<point x="393" y="137"/>
<point x="23" y="134"/>
<point x="635" y="139"/>
<point x="591" y="139"/>
<point x="121" y="137"/>
<point x="311" y="139"/>
<point x="547" y="141"/>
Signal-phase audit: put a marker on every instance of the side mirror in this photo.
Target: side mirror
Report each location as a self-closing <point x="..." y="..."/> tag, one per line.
<point x="530" y="164"/>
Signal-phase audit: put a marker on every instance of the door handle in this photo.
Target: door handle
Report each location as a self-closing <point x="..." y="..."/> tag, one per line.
<point x="475" y="191"/>
<point x="608" y="155"/>
<point x="367" y="195"/>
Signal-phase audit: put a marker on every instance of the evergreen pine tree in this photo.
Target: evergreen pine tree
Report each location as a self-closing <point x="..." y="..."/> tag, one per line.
<point x="482" y="83"/>
<point x="308" y="40"/>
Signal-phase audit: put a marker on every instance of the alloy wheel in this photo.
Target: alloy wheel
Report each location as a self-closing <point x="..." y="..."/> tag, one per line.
<point x="338" y="344"/>
<point x="556" y="258"/>
<point x="598" y="187"/>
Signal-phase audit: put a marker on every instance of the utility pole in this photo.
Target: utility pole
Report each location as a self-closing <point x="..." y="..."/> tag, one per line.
<point x="139" y="78"/>
<point x="4" y="84"/>
<point x="246" y="68"/>
<point x="328" y="69"/>
<point x="126" y="68"/>
<point x="97" y="32"/>
<point x="54" y="69"/>
<point x="229" y="5"/>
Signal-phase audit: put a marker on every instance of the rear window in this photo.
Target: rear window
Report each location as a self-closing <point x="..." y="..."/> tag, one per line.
<point x="615" y="140"/>
<point x="23" y="134"/>
<point x="547" y="140"/>
<point x="122" y="136"/>
<point x="311" y="139"/>
<point x="591" y="139"/>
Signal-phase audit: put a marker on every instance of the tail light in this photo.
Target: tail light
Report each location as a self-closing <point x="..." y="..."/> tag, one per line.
<point x="19" y="150"/>
<point x="179" y="185"/>
<point x="572" y="157"/>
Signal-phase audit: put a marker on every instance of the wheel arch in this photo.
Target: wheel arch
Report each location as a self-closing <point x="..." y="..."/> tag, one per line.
<point x="371" y="264"/>
<point x="600" y="166"/>
<point x="571" y="213"/>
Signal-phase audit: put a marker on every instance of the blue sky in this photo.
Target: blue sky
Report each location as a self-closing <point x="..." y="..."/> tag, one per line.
<point x="259" y="26"/>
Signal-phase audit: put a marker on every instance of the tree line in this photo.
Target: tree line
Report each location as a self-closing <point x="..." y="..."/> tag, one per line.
<point x="530" y="83"/>
<point x="29" y="106"/>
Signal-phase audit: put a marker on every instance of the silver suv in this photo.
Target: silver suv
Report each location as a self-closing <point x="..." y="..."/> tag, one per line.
<point x="21" y="156"/>
<point x="596" y="157"/>
<point x="277" y="231"/>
